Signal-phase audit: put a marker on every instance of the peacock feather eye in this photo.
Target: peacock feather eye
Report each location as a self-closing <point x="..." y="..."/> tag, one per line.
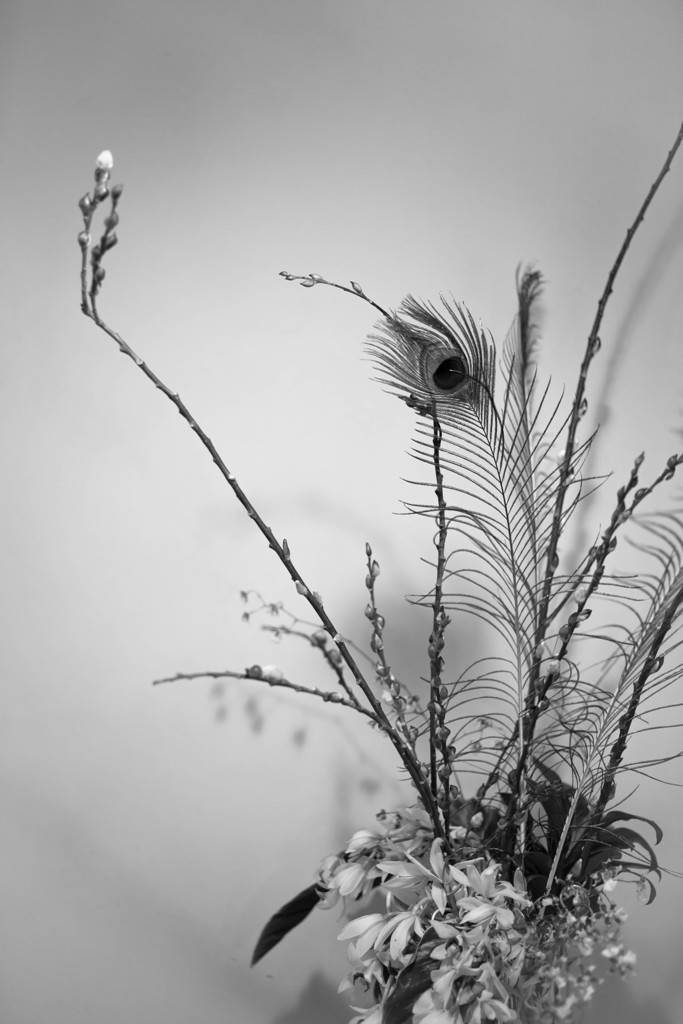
<point x="450" y="373"/>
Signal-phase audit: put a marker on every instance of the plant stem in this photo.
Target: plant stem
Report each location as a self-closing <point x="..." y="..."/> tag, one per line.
<point x="90" y="309"/>
<point x="329" y="696"/>
<point x="438" y="731"/>
<point x="528" y="727"/>
<point x="577" y="406"/>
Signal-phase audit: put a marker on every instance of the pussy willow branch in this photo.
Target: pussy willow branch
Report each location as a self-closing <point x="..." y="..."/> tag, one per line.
<point x="438" y="730"/>
<point x="592" y="344"/>
<point x="596" y="561"/>
<point x="598" y="558"/>
<point x="90" y="309"/>
<point x="331" y="656"/>
<point x="619" y="746"/>
<point x="310" y="280"/>
<point x="393" y="692"/>
<point x="318" y="639"/>
<point x="329" y="696"/>
<point x="591" y="350"/>
<point x="372" y="613"/>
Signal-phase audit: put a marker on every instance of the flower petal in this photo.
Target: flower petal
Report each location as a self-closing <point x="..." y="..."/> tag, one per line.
<point x="359" y="925"/>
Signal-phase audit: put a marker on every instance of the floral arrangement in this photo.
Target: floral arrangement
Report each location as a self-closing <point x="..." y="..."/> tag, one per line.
<point x="489" y="898"/>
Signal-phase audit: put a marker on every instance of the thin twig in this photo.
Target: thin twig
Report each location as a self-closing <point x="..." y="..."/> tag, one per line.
<point x="652" y="663"/>
<point x="318" y="640"/>
<point x="578" y="406"/>
<point x="391" y="687"/>
<point x="310" y="280"/>
<point x="88" y="206"/>
<point x="271" y="679"/>
<point x="578" y="410"/>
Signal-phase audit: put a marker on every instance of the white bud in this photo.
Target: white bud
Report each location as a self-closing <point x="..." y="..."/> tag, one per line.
<point x="272" y="674"/>
<point x="105" y="161"/>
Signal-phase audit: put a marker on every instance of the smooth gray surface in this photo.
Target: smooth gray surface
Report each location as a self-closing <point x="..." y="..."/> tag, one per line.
<point x="426" y="147"/>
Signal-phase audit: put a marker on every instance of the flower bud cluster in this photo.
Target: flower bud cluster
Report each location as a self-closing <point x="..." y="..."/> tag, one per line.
<point x="87" y="205"/>
<point x="392" y="691"/>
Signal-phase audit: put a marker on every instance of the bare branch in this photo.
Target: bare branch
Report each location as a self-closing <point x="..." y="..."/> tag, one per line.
<point x="88" y="206"/>
<point x="273" y="677"/>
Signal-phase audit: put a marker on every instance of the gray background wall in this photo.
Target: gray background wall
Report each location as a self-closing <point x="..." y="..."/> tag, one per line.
<point x="425" y="147"/>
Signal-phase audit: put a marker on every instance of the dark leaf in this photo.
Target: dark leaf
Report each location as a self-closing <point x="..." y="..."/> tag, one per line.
<point x="287" y="917"/>
<point x="598" y="857"/>
<point x="412" y="981"/>
<point x="608" y="844"/>
<point x="537" y="862"/>
<point x="612" y="816"/>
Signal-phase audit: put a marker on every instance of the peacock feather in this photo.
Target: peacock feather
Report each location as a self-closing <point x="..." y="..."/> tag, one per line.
<point x="498" y="489"/>
<point x="544" y="732"/>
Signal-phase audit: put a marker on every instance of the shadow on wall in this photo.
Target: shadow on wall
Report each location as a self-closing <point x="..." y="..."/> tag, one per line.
<point x="630" y="332"/>
<point x="320" y="1002"/>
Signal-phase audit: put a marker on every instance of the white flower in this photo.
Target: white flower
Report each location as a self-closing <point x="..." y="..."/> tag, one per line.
<point x="479" y="910"/>
<point x="486" y="883"/>
<point x="351" y="879"/>
<point x="366" y="929"/>
<point x="105" y="161"/>
<point x="365" y="838"/>
<point x="400" y="927"/>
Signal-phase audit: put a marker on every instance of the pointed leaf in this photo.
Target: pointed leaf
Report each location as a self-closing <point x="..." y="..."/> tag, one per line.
<point x="613" y="816"/>
<point x="287" y="917"/>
